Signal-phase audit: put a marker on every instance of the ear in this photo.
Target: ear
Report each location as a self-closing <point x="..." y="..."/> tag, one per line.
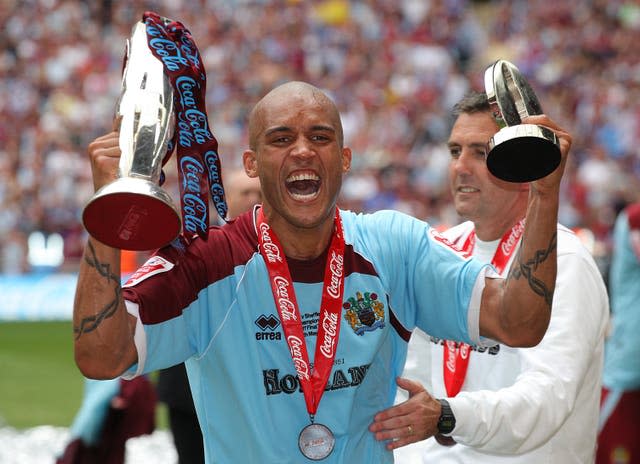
<point x="346" y="159"/>
<point x="250" y="163"/>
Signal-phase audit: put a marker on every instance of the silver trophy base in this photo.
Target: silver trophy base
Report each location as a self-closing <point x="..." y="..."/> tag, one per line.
<point x="523" y="153"/>
<point x="132" y="214"/>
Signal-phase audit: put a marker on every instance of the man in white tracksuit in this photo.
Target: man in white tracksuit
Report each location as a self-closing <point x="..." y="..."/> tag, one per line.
<point x="526" y="405"/>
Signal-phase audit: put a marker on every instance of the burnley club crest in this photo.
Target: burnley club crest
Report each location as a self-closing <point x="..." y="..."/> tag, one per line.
<point x="364" y="312"/>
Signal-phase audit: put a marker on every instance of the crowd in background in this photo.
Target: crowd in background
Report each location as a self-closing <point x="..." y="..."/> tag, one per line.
<point x="394" y="67"/>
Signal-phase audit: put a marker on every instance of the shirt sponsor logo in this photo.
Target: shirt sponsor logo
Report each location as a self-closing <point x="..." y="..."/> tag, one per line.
<point x="275" y="383"/>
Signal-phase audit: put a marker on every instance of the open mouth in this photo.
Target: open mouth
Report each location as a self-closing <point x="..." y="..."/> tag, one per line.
<point x="303" y="186"/>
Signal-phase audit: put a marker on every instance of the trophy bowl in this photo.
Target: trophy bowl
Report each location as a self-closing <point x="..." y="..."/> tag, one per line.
<point x="133" y="212"/>
<point x="517" y="152"/>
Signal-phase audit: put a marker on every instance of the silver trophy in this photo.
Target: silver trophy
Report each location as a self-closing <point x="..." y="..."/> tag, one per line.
<point x="133" y="212"/>
<point x="517" y="152"/>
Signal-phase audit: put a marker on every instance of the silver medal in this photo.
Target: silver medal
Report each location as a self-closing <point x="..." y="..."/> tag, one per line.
<point x="316" y="441"/>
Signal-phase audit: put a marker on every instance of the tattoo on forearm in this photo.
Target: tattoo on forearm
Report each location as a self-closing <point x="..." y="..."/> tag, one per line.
<point x="527" y="269"/>
<point x="90" y="323"/>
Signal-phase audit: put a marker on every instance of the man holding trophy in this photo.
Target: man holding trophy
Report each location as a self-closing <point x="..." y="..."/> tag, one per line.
<point x="293" y="319"/>
<point x="512" y="405"/>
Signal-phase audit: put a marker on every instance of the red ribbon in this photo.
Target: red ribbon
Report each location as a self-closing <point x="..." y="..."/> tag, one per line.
<point x="313" y="381"/>
<point x="456" y="355"/>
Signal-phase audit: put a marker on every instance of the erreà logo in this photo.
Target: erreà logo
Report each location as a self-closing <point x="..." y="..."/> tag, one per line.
<point x="268" y="325"/>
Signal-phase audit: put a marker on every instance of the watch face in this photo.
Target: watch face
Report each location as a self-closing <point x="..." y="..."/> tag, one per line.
<point x="446" y="424"/>
<point x="447" y="421"/>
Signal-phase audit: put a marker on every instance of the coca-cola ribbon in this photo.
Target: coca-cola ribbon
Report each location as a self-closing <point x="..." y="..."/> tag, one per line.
<point x="199" y="167"/>
<point x="456" y="354"/>
<point x="313" y="380"/>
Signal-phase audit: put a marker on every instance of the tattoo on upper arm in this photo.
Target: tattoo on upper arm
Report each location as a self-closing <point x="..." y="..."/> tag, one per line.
<point x="90" y="323"/>
<point x="527" y="269"/>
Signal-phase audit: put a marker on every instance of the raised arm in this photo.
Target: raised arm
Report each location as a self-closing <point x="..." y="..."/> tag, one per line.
<point x="516" y="311"/>
<point x="103" y="330"/>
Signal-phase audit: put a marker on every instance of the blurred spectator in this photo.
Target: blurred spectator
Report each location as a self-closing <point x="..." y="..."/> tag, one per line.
<point x="112" y="412"/>
<point x="394" y="69"/>
<point x="243" y="192"/>
<point x="620" y="410"/>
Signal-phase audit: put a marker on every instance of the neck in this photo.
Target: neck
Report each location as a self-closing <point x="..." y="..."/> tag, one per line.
<point x="492" y="226"/>
<point x="300" y="242"/>
<point x="494" y="230"/>
<point x="306" y="245"/>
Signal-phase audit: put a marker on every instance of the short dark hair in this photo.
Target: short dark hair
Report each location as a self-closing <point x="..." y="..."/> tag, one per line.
<point x="472" y="102"/>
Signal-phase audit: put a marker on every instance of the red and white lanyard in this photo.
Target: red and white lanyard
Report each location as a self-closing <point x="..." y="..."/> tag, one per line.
<point x="456" y="355"/>
<point x="313" y="381"/>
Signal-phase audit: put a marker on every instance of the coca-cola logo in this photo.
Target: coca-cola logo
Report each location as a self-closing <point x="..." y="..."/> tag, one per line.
<point x="295" y="346"/>
<point x="169" y="53"/>
<point x="191" y="170"/>
<point x="451" y="356"/>
<point x="512" y="240"/>
<point x="186" y="86"/>
<point x="330" y="326"/>
<point x="285" y="305"/>
<point x="336" y="266"/>
<point x="271" y="250"/>
<point x="464" y="350"/>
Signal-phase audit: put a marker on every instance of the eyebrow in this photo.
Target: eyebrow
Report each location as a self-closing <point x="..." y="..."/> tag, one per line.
<point x="321" y="127"/>
<point x="471" y="145"/>
<point x="318" y="127"/>
<point x="275" y="130"/>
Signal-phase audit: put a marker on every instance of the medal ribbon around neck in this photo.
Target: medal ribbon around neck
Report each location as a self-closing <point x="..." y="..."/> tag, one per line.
<point x="456" y="355"/>
<point x="313" y="381"/>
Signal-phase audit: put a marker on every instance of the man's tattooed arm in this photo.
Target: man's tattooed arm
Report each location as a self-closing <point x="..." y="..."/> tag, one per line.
<point x="88" y="324"/>
<point x="527" y="269"/>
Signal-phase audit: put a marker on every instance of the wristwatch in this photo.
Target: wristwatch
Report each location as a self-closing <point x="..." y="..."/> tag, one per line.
<point x="446" y="421"/>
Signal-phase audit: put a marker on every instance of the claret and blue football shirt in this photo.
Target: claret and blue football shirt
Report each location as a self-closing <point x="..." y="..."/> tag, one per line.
<point x="211" y="305"/>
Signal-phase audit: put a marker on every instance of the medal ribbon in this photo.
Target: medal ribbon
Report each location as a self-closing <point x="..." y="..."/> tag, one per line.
<point x="456" y="355"/>
<point x="197" y="149"/>
<point x="314" y="380"/>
